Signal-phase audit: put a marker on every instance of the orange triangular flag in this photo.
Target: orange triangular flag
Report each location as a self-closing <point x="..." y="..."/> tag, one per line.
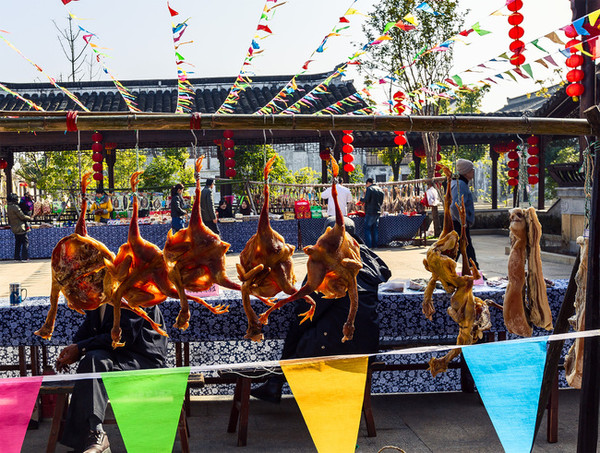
<point x="330" y="393"/>
<point x="552" y="36"/>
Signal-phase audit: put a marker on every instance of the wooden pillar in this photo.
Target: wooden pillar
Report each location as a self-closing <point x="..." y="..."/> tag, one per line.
<point x="110" y="157"/>
<point x="417" y="161"/>
<point x="10" y="158"/>
<point x="544" y="141"/>
<point x="324" y="178"/>
<point x="494" y="157"/>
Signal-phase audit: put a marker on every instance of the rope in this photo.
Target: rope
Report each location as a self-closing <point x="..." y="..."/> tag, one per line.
<point x="137" y="149"/>
<point x="78" y="152"/>
<point x="522" y="171"/>
<point x="588" y="169"/>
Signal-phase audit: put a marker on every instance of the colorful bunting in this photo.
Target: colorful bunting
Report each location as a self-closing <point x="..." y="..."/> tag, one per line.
<point x="147" y="405"/>
<point x="509" y="387"/>
<point x="331" y="412"/>
<point x="427" y="9"/>
<point x="29" y="102"/>
<point x="17" y="399"/>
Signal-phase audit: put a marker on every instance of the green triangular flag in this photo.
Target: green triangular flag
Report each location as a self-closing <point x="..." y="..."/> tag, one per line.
<point x="528" y="70"/>
<point x="508" y="376"/>
<point x="388" y="26"/>
<point x="535" y="43"/>
<point x="508" y="73"/>
<point x="477" y="28"/>
<point x="147" y="405"/>
<point x="458" y="80"/>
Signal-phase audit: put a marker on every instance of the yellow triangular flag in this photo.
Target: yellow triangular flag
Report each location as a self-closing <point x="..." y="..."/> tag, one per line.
<point x="593" y="17"/>
<point x="330" y="395"/>
<point x="412" y="19"/>
<point x="579" y="47"/>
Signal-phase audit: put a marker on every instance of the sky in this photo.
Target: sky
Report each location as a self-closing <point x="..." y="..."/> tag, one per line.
<point x="138" y="39"/>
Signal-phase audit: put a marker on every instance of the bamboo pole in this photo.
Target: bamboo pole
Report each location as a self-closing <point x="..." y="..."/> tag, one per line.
<point x="44" y="122"/>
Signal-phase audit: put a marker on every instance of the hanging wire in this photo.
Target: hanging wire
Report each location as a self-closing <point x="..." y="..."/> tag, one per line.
<point x="522" y="172"/>
<point x="588" y="169"/>
<point x="194" y="145"/>
<point x="79" y="154"/>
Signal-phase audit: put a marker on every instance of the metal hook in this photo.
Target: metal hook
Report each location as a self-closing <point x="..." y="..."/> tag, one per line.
<point x="334" y="140"/>
<point x="195" y="144"/>
<point x="528" y="123"/>
<point x="411" y="123"/>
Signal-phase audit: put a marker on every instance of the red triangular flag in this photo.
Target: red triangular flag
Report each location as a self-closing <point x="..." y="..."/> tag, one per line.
<point x="17" y="398"/>
<point x="305" y="66"/>
<point x="264" y="28"/>
<point x="171" y="10"/>
<point x="344" y="20"/>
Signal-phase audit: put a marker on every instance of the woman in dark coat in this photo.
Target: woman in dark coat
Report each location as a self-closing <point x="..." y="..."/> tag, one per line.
<point x="178" y="211"/>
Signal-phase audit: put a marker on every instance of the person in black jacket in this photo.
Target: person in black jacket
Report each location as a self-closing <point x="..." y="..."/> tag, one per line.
<point x="92" y="346"/>
<point x="178" y="211"/>
<point x="322" y="336"/>
<point x="207" y="206"/>
<point x="372" y="200"/>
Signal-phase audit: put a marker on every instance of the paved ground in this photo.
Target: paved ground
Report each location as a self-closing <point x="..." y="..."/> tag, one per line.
<point x="449" y="422"/>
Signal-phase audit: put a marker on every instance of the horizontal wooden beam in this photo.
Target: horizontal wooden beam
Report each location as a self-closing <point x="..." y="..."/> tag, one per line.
<point x="40" y="122"/>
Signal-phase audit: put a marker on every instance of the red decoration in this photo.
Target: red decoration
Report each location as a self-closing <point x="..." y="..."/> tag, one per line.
<point x="347" y="132"/>
<point x="575" y="75"/>
<point x="571" y="45"/>
<point x="228" y="143"/>
<point x="97" y="166"/>
<point x="419" y="152"/>
<point x="513" y="155"/>
<point x="97" y="147"/>
<point x="228" y="134"/>
<point x="230" y="163"/>
<point x="400" y="140"/>
<point x="512" y="145"/>
<point x="533" y="180"/>
<point x="500" y="148"/>
<point x="97" y="137"/>
<point x="348" y="158"/>
<point x="349" y="168"/>
<point x="516" y="32"/>
<point x="98" y="176"/>
<point x="515" y="18"/>
<point x="533" y="140"/>
<point x="229" y="153"/>
<point x="533" y="160"/>
<point x="325" y="154"/>
<point x="513" y="182"/>
<point x="3" y="164"/>
<point x="230" y="173"/>
<point x="574" y="60"/>
<point x="516" y="46"/>
<point x="533" y="151"/>
<point x="513" y="164"/>
<point x="513" y="173"/>
<point x="533" y="170"/>
<point x="575" y="90"/>
<point x="570" y="31"/>
<point x="514" y="5"/>
<point x="97" y="157"/>
<point x="347" y="139"/>
<point x="347" y="149"/>
<point x="399" y="97"/>
<point x="517" y="59"/>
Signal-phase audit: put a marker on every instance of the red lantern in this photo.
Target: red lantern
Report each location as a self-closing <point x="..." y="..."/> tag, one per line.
<point x="513" y="155"/>
<point x="513" y="173"/>
<point x="228" y="143"/>
<point x="517" y="59"/>
<point x="513" y="164"/>
<point x="98" y="176"/>
<point x="3" y="164"/>
<point x="515" y="18"/>
<point x="347" y="132"/>
<point x="575" y="75"/>
<point x="348" y="158"/>
<point x="516" y="46"/>
<point x="229" y="153"/>
<point x="97" y="157"/>
<point x="97" y="137"/>
<point x="228" y="134"/>
<point x="512" y="145"/>
<point x="347" y="139"/>
<point x="533" y="170"/>
<point x="533" y="150"/>
<point x="349" y="168"/>
<point x="533" y="140"/>
<point x="400" y="140"/>
<point x="533" y="180"/>
<point x="230" y="173"/>
<point x="570" y="31"/>
<point x="516" y="32"/>
<point x="571" y="45"/>
<point x="514" y="5"/>
<point x="513" y="182"/>
<point x="230" y="163"/>
<point x="438" y="157"/>
<point x="575" y="90"/>
<point x="97" y="166"/>
<point x="97" y="147"/>
<point x="574" y="60"/>
<point x="533" y="160"/>
<point x="325" y="154"/>
<point x="347" y="149"/>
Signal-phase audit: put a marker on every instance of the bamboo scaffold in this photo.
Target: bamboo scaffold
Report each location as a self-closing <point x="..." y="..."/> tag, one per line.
<point x="56" y="121"/>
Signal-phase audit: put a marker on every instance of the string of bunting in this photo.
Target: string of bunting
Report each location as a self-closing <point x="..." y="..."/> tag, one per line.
<point x="185" y="89"/>
<point x="29" y="102"/>
<point x="243" y="81"/>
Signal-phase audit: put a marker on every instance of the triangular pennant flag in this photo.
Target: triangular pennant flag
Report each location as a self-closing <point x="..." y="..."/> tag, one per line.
<point x="527" y="68"/>
<point x="550" y="60"/>
<point x="331" y="411"/>
<point x="535" y="43"/>
<point x="458" y="80"/>
<point x="172" y="11"/>
<point x="594" y="17"/>
<point x="17" y="399"/>
<point x="508" y="73"/>
<point x="518" y="71"/>
<point x="552" y="36"/>
<point x="542" y="62"/>
<point x="509" y="385"/>
<point x="479" y="31"/>
<point x="411" y="19"/>
<point x="147" y="405"/>
<point x="578" y="25"/>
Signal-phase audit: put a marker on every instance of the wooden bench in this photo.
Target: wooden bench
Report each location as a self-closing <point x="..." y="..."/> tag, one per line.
<point x="62" y="392"/>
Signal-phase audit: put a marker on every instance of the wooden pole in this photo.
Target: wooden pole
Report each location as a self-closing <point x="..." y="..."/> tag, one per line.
<point x="494" y="157"/>
<point x="142" y="121"/>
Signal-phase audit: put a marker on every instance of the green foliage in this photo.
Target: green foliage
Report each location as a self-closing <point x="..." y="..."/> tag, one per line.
<point x="125" y="165"/>
<point x="469" y="100"/>
<point x="559" y="152"/>
<point x="357" y="176"/>
<point x="307" y="175"/>
<point x="250" y="164"/>
<point x="167" y="170"/>
<point x="392" y="156"/>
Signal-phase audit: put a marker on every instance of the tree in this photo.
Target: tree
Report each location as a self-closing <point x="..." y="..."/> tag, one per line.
<point x="68" y="39"/>
<point x="307" y="175"/>
<point x="250" y="163"/>
<point x="167" y="169"/>
<point x="406" y="58"/>
<point x="392" y="156"/>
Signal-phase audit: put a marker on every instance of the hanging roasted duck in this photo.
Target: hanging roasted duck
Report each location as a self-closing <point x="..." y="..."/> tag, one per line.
<point x="78" y="271"/>
<point x="266" y="267"/>
<point x="332" y="266"/>
<point x="195" y="258"/>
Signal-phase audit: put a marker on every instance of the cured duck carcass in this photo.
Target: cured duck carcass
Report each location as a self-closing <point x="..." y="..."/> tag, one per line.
<point x="332" y="266"/>
<point x="195" y="258"/>
<point x="266" y="267"/>
<point x="78" y="271"/>
<point x="520" y="313"/>
<point x="469" y="312"/>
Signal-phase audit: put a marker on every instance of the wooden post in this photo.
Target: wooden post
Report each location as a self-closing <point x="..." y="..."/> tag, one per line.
<point x="322" y="147"/>
<point x="8" y="173"/>
<point x="110" y="159"/>
<point x="587" y="438"/>
<point x="494" y="157"/>
<point x="544" y="140"/>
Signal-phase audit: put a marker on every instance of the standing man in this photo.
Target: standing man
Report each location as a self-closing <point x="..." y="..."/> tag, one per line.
<point x="372" y="200"/>
<point x="16" y="220"/>
<point x="92" y="346"/>
<point x="460" y="188"/>
<point x="344" y="197"/>
<point x="207" y="206"/>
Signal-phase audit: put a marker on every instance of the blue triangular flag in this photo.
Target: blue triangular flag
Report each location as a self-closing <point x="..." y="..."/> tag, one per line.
<point x="508" y="376"/>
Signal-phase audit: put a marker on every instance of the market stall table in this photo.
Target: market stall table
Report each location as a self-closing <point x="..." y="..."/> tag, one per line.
<point x="218" y="339"/>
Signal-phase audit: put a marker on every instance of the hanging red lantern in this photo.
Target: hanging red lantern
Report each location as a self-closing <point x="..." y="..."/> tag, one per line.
<point x="97" y="157"/>
<point x="514" y="5"/>
<point x="516" y="32"/>
<point x="228" y="134"/>
<point x="570" y="31"/>
<point x="516" y="46"/>
<point x="533" y="170"/>
<point x="533" y="180"/>
<point x="571" y="45"/>
<point x="513" y="182"/>
<point x="97" y="137"/>
<point x="347" y="139"/>
<point x="533" y="140"/>
<point x="98" y="176"/>
<point x="228" y="143"/>
<point x="97" y="166"/>
<point x="517" y="59"/>
<point x="325" y="154"/>
<point x="575" y="90"/>
<point x="419" y="152"/>
<point x="399" y="97"/>
<point x="575" y="75"/>
<point x="349" y="168"/>
<point x="230" y="163"/>
<point x="438" y="157"/>
<point x="400" y="140"/>
<point x="533" y="160"/>
<point x="574" y="60"/>
<point x="347" y="149"/>
<point x="534" y="150"/>
<point x="513" y="164"/>
<point x="97" y="147"/>
<point x="513" y="155"/>
<point x="230" y="173"/>
<point x="3" y="164"/>
<point x="347" y="132"/>
<point x="515" y="18"/>
<point x="513" y="173"/>
<point x="229" y="153"/>
<point x="348" y="158"/>
<point x="512" y="145"/>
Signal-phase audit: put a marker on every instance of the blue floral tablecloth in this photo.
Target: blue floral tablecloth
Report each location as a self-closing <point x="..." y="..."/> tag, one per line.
<point x="218" y="339"/>
<point x="391" y="228"/>
<point x="43" y="240"/>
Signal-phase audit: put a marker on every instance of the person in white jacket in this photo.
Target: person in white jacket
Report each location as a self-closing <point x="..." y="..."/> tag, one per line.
<point x="344" y="197"/>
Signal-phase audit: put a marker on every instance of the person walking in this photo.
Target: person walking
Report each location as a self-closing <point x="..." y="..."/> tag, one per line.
<point x="207" y="206"/>
<point x="372" y="200"/>
<point x="178" y="211"/>
<point x="17" y="221"/>
<point x="460" y="189"/>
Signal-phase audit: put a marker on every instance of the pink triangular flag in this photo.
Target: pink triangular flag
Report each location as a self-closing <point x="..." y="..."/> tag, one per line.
<point x="17" y="399"/>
